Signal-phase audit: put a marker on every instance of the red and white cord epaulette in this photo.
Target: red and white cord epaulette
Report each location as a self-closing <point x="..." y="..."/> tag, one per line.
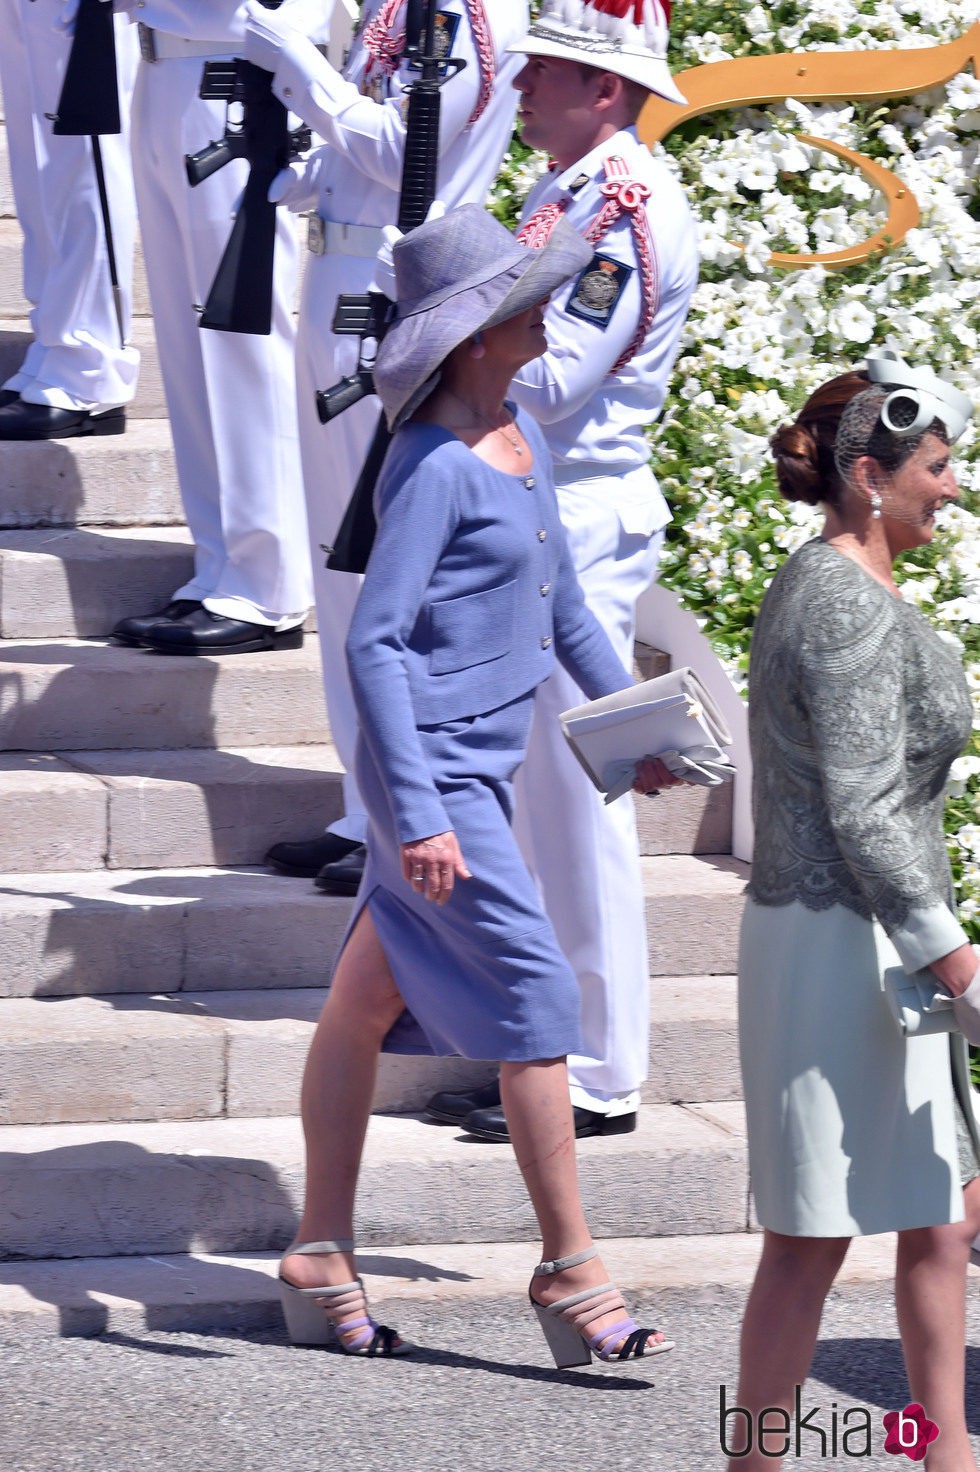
<point x="623" y="195"/>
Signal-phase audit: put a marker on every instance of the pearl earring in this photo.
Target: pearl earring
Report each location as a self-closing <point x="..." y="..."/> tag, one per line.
<point x="875" y="506"/>
<point x="477" y="350"/>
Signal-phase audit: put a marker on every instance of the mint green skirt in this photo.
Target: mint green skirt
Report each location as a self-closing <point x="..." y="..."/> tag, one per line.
<point x="852" y="1128"/>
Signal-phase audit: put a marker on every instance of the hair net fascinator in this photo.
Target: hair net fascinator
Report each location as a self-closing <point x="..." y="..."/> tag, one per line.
<point x="454" y="276"/>
<point x="900" y="404"/>
<point x="917" y="396"/>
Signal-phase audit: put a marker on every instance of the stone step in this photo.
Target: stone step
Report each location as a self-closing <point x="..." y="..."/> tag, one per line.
<point x="212" y="1293"/>
<point x="205" y="1055"/>
<point x="69" y="694"/>
<point x="197" y="807"/>
<point x="63" y="583"/>
<point x="149" y="403"/>
<point x="109" y="480"/>
<point x="162" y="809"/>
<point x="231" y="1185"/>
<point x="83" y="934"/>
<point x="12" y="300"/>
<point x="99" y="933"/>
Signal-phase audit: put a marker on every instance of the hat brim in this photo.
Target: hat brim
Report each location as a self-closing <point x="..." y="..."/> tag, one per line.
<point x="414" y="348"/>
<point x="638" y="66"/>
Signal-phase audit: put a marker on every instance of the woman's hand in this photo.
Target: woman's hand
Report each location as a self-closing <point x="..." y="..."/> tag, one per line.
<point x="959" y="973"/>
<point x="431" y="865"/>
<point x="651" y="775"/>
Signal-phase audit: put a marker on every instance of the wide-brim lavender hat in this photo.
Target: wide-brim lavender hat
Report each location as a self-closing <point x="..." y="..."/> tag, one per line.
<point x="454" y="276"/>
<point x="628" y="37"/>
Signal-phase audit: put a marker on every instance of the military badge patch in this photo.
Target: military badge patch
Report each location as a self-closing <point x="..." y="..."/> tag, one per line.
<point x="597" y="291"/>
<point x="447" y="24"/>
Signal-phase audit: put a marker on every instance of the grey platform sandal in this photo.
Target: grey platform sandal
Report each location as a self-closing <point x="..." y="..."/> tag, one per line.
<point x="565" y="1322"/>
<point x="311" y="1313"/>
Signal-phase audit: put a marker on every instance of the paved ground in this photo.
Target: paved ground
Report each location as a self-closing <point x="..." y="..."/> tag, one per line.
<point x="478" y="1396"/>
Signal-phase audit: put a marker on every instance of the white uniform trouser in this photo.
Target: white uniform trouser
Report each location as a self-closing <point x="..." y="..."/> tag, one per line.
<point x="333" y="455"/>
<point x="584" y="854"/>
<point x="231" y="396"/>
<point x="76" y="360"/>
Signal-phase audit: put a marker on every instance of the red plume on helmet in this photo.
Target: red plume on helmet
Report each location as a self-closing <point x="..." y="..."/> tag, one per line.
<point x="628" y="37"/>
<point x="621" y="9"/>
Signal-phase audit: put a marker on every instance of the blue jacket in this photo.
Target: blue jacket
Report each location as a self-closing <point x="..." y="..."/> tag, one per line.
<point x="469" y="596"/>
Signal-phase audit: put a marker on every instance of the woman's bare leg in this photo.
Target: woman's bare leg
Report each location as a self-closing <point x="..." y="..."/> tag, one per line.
<point x="930" y="1300"/>
<point x="779" y="1334"/>
<point x="338" y="1087"/>
<point x="539" y="1121"/>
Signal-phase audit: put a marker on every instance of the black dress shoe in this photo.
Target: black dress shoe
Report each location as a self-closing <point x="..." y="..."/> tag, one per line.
<point x="8" y="396"/>
<point x="305" y="860"/>
<point x="21" y="421"/>
<point x="204" y="632"/>
<point x="343" y="876"/>
<point x="451" y="1108"/>
<point x="490" y="1124"/>
<point x="134" y="630"/>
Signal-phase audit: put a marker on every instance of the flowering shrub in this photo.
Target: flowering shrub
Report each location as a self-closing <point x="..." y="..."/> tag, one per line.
<point x="759" y="338"/>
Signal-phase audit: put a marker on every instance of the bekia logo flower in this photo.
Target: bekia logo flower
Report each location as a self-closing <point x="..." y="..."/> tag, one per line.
<point x="909" y="1432"/>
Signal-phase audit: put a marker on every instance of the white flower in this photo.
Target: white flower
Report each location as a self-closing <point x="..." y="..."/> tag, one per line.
<point x="960" y="610"/>
<point x="963" y="770"/>
<point x="853" y="322"/>
<point x="757" y="23"/>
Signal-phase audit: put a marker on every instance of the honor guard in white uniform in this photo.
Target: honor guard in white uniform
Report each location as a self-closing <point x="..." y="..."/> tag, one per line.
<point x="612" y="340"/>
<point x="77" y="375"/>
<point x="352" y="184"/>
<point x="231" y="396"/>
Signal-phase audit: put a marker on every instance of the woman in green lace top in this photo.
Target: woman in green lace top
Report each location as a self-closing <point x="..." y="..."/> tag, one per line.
<point x="857" y="710"/>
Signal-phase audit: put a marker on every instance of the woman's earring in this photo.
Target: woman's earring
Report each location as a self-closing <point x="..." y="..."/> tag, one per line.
<point x="477" y="350"/>
<point x="875" y="506"/>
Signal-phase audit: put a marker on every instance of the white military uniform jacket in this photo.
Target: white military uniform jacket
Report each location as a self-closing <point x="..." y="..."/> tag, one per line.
<point x="77" y="359"/>
<point x="231" y="397"/>
<point x="355" y="183"/>
<point x="612" y="335"/>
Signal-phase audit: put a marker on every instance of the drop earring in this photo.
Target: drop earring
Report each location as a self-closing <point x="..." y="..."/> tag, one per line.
<point x="477" y="350"/>
<point x="875" y="506"/>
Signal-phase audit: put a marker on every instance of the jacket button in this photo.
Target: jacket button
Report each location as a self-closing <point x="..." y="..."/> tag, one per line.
<point x="542" y="534"/>
<point x="545" y="589"/>
<point x="529" y="482"/>
<point x="546" y="642"/>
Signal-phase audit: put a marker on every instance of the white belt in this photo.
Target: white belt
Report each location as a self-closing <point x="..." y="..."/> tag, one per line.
<point x="162" y="46"/>
<point x="332" y="238"/>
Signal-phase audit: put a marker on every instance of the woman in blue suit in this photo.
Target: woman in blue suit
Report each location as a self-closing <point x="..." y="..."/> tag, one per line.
<point x="468" y="599"/>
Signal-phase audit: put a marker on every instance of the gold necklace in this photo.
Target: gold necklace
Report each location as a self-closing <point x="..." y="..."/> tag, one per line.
<point x="514" y="442"/>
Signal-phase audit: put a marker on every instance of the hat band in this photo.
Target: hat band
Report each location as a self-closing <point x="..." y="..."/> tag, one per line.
<point x="601" y="45"/>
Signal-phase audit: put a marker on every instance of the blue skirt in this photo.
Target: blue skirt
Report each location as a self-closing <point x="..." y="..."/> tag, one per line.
<point x="482" y="976"/>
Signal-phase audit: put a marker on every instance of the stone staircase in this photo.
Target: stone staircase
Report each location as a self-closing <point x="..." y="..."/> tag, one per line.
<point x="158" y="987"/>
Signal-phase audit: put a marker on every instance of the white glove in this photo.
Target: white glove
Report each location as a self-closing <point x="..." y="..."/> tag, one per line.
<point x="270" y="38"/>
<point x="967" y="1009"/>
<point x="384" y="263"/>
<point x="297" y="187"/>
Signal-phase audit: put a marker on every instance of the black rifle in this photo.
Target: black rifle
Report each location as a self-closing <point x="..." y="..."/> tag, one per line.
<point x="240" y="299"/>
<point x="367" y="315"/>
<point x="89" y="107"/>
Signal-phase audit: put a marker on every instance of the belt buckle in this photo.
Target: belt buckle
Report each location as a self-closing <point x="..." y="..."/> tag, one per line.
<point x="316" y="235"/>
<point x="148" y="49"/>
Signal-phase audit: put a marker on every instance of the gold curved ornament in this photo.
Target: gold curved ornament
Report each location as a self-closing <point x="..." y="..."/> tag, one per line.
<point x="821" y="76"/>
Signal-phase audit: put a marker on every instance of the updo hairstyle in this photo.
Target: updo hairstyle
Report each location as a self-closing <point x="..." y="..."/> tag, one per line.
<point x="808" y="451"/>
